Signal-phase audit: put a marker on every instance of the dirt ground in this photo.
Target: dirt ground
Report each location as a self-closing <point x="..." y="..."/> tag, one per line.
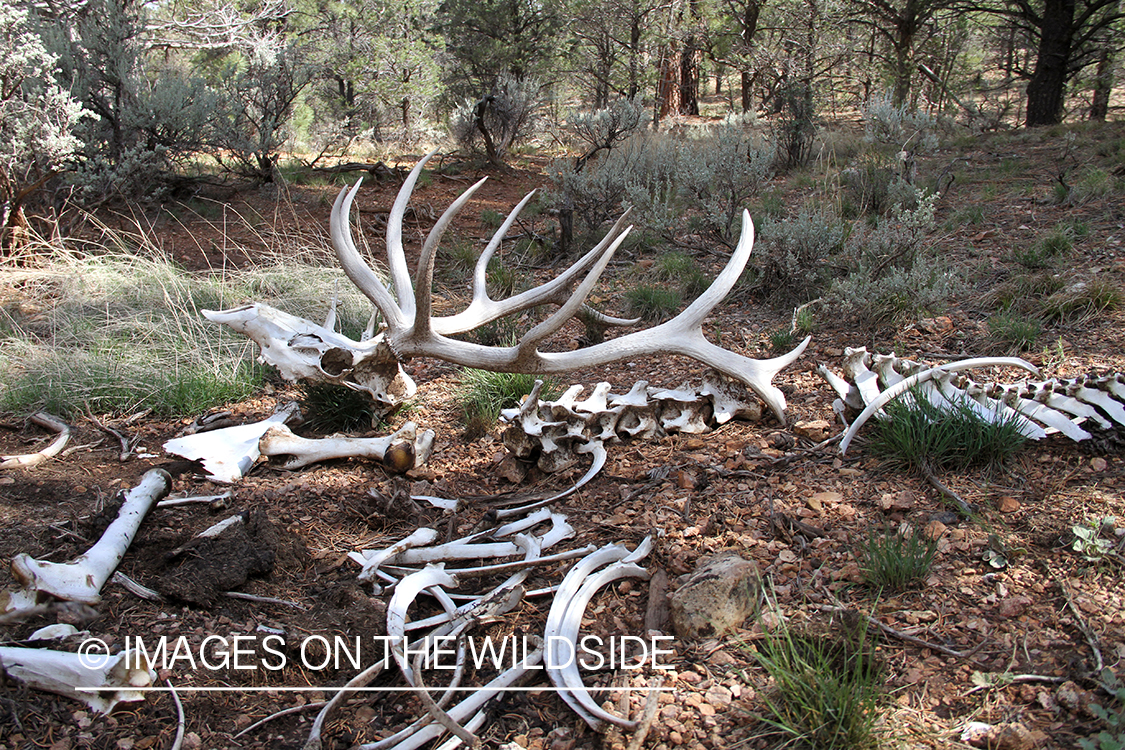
<point x="1031" y="631"/>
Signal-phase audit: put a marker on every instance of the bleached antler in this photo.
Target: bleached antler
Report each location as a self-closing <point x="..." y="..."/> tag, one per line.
<point x="411" y="331"/>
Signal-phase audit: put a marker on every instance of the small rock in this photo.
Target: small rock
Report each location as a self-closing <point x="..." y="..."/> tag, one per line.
<point x="242" y="721"/>
<point x="1012" y="736"/>
<point x="512" y="469"/>
<point x="897" y="501"/>
<point x="820" y="499"/>
<point x="816" y="429"/>
<point x="934" y="530"/>
<point x="1007" y="504"/>
<point x="941" y="324"/>
<point x="1073" y="698"/>
<point x="192" y="741"/>
<point x="1098" y="464"/>
<point x="1014" y="606"/>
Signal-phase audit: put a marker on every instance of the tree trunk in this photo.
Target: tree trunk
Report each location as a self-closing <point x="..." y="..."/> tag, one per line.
<point x="668" y="85"/>
<point x="1103" y="83"/>
<point x="1046" y="90"/>
<point x="689" y="77"/>
<point x="747" y="84"/>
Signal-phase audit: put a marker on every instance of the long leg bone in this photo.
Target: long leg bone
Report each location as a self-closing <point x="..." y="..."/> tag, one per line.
<point x="280" y="441"/>
<point x="81" y="579"/>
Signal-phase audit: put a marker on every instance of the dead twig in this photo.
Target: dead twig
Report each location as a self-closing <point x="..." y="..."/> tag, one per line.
<point x="969" y="655"/>
<point x="1087" y="631"/>
<point x="936" y="483"/>
<point x="653" y="703"/>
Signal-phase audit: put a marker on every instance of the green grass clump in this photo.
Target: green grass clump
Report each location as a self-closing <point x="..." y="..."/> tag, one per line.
<point x="653" y="303"/>
<point x="918" y="435"/>
<point x="894" y="561"/>
<point x="1016" y="333"/>
<point x="337" y="408"/>
<point x="1084" y="299"/>
<point x="681" y="269"/>
<point x="826" y="692"/>
<point x="481" y="395"/>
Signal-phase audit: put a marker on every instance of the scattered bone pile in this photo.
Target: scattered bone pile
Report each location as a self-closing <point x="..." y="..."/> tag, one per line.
<point x="1038" y="408"/>
<point x="553" y="432"/>
<point x="415" y="566"/>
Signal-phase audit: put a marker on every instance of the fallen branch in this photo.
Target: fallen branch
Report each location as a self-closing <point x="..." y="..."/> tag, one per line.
<point x="966" y="655"/>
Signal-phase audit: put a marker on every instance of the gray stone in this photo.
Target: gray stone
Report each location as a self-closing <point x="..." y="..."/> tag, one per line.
<point x="716" y="598"/>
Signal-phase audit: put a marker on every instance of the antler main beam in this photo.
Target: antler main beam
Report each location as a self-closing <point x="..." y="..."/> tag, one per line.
<point x="412" y="332"/>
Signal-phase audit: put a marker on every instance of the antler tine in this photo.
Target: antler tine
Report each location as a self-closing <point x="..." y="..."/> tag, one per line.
<point x="480" y="271"/>
<point x="396" y="255"/>
<point x="353" y="264"/>
<point x="566" y="311"/>
<point x="486" y="310"/>
<point x="424" y="277"/>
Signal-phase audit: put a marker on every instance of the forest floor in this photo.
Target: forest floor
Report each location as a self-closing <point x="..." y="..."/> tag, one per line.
<point x="1014" y="643"/>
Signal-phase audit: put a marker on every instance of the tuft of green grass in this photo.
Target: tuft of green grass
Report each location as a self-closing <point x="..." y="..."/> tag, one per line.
<point x="492" y="219"/>
<point x="653" y="303"/>
<point x="826" y="693"/>
<point x="918" y="435"/>
<point x="481" y="394"/>
<point x="1084" y="299"/>
<point x="1017" y="291"/>
<point x="893" y="561"/>
<point x="1016" y="333"/>
<point x="679" y="268"/>
<point x="337" y="408"/>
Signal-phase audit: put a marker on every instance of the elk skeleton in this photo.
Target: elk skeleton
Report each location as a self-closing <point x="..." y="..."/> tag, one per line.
<point x="301" y="349"/>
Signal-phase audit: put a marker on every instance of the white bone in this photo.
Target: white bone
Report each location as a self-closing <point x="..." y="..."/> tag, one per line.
<point x="1098" y="398"/>
<point x="406" y="592"/>
<point x="372" y="559"/>
<point x="469" y="706"/>
<point x="726" y="401"/>
<point x="849" y="394"/>
<point x="100" y="681"/>
<point x="991" y="412"/>
<point x="412" y="332"/>
<point x="303" y="350"/>
<point x="27" y="460"/>
<point x="81" y="579"/>
<point x="855" y="367"/>
<point x="279" y="440"/>
<point x="228" y="453"/>
<point x="896" y="390"/>
<point x="1055" y="420"/>
<point x="568" y="628"/>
